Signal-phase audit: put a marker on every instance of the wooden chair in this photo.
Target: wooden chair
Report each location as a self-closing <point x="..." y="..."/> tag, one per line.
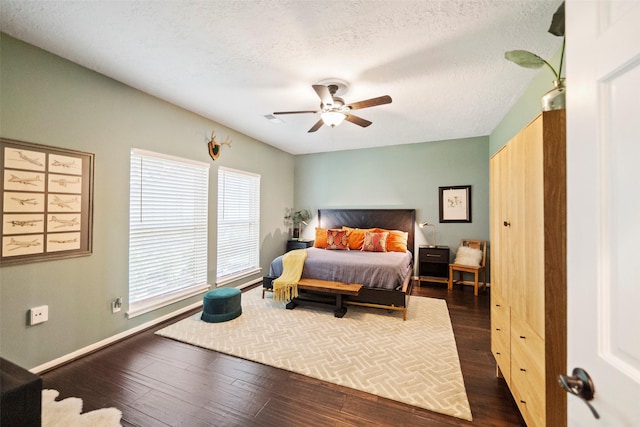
<point x="476" y="270"/>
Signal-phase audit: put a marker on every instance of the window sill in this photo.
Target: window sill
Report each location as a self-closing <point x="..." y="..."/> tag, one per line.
<point x="229" y="279"/>
<point x="147" y="306"/>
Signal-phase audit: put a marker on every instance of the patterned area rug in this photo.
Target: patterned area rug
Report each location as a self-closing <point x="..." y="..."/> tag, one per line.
<point x="372" y="350"/>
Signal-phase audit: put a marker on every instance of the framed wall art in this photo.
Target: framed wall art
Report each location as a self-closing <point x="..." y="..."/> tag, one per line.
<point x="47" y="202"/>
<point x="455" y="204"/>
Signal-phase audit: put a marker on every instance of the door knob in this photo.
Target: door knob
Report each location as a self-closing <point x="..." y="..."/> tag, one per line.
<point x="580" y="384"/>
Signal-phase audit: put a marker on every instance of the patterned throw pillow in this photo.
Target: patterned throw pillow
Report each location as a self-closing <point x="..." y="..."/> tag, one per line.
<point x="356" y="237"/>
<point x="375" y="242"/>
<point x="338" y="240"/>
<point x="397" y="240"/>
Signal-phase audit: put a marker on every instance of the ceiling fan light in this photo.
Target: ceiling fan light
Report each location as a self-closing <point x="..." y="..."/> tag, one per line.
<point x="332" y="118"/>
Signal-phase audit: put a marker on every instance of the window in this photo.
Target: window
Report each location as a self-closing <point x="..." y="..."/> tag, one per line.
<point x="238" y="224"/>
<point x="168" y="208"/>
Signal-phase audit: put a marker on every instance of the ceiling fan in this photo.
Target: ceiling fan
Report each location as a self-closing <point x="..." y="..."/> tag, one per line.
<point x="333" y="109"/>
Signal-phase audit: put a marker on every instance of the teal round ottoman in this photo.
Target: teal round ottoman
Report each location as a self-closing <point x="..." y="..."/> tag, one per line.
<point x="221" y="304"/>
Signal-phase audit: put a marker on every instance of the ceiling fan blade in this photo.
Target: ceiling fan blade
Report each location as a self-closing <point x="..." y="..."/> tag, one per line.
<point x="357" y="120"/>
<point x="381" y="100"/>
<point x="295" y="112"/>
<point x="324" y="94"/>
<point x="317" y="126"/>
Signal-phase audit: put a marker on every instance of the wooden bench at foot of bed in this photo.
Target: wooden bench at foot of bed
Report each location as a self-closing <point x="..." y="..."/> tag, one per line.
<point x="329" y="287"/>
<point x="324" y="287"/>
<point x="318" y="290"/>
<point x="334" y="288"/>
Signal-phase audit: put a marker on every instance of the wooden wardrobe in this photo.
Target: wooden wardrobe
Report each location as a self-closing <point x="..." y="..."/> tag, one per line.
<point x="528" y="278"/>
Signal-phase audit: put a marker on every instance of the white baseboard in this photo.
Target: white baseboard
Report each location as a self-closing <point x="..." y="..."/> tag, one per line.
<point x="93" y="347"/>
<point x="105" y="342"/>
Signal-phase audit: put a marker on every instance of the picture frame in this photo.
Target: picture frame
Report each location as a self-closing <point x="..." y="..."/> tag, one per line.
<point x="455" y="203"/>
<point x="46" y="204"/>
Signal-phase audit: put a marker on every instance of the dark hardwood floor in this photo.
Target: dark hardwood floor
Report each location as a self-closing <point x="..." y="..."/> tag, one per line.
<point x="156" y="381"/>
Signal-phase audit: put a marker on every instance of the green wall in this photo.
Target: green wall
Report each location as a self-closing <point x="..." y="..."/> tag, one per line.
<point x="48" y="100"/>
<point x="403" y="176"/>
<point x="527" y="107"/>
<point x="408" y="176"/>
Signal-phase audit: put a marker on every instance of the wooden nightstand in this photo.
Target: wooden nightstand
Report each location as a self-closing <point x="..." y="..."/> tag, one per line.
<point x="298" y="244"/>
<point x="433" y="264"/>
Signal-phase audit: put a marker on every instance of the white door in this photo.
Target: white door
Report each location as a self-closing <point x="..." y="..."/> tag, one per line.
<point x="603" y="207"/>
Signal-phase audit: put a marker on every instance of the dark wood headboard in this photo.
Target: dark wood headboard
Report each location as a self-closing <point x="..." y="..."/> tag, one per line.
<point x="390" y="219"/>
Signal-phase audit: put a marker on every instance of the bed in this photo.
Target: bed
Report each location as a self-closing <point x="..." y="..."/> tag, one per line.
<point x="386" y="277"/>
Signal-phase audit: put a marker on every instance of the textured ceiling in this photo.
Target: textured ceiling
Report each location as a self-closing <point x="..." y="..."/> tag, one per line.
<point x="234" y="62"/>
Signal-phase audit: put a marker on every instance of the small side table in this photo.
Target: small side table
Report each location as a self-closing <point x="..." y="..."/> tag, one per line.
<point x="298" y="244"/>
<point x="433" y="264"/>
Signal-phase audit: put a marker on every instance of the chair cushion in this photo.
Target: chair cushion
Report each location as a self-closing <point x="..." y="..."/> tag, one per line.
<point x="468" y="256"/>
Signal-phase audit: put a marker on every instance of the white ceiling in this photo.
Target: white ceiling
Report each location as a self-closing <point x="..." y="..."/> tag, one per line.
<point x="442" y="62"/>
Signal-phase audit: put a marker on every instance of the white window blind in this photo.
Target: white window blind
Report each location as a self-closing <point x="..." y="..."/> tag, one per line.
<point x="167" y="230"/>
<point x="238" y="224"/>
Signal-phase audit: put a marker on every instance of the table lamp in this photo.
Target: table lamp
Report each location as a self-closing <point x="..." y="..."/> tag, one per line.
<point x="428" y="224"/>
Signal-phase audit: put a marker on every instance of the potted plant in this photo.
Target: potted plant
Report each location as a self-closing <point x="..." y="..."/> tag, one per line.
<point x="297" y="219"/>
<point x="555" y="98"/>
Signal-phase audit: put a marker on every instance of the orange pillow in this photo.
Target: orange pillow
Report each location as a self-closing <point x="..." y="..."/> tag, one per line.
<point x="338" y="240"/>
<point x="397" y="240"/>
<point x="356" y="237"/>
<point x="375" y="242"/>
<point x="321" y="238"/>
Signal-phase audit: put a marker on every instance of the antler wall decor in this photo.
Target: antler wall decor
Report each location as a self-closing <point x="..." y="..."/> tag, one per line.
<point x="215" y="146"/>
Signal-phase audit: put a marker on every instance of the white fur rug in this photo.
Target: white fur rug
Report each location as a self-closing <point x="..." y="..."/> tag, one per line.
<point x="68" y="412"/>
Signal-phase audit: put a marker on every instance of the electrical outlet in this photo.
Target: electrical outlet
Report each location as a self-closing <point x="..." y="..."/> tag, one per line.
<point x="39" y="314"/>
<point x="116" y="305"/>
